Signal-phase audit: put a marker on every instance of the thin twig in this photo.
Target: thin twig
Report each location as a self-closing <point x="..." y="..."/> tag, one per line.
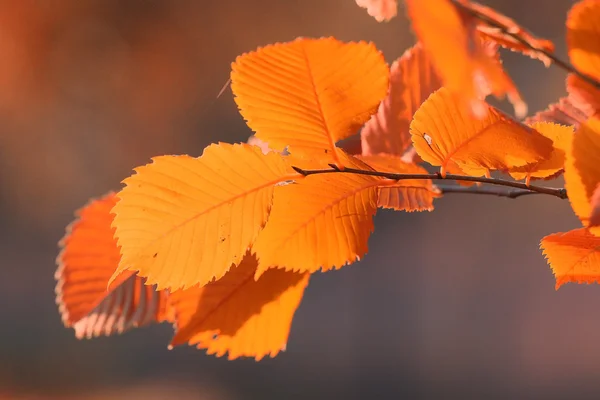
<point x="558" y="192"/>
<point x="492" y="191"/>
<point x="504" y="29"/>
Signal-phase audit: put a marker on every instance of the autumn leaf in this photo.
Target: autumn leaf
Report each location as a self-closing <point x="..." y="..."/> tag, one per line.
<point x="309" y="93"/>
<point x="238" y="315"/>
<point x="403" y="195"/>
<point x="574" y="256"/>
<point x="582" y="170"/>
<point x="560" y="136"/>
<point x="463" y="60"/>
<point x="381" y="10"/>
<point x="563" y="112"/>
<point x="322" y="221"/>
<point x="443" y="132"/>
<point x="183" y="221"/>
<point x="584" y="96"/>
<point x="412" y="80"/>
<point x="87" y="260"/>
<point x="583" y="37"/>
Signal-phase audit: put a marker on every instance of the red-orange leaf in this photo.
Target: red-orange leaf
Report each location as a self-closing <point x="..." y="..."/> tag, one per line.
<point x="238" y="315"/>
<point x="583" y="95"/>
<point x="412" y="80"/>
<point x="467" y="67"/>
<point x="309" y="93"/>
<point x="322" y="221"/>
<point x="574" y="256"/>
<point x="183" y="221"/>
<point x="444" y="131"/>
<point x="381" y="10"/>
<point x="582" y="170"/>
<point x="563" y="112"/>
<point x="403" y="195"/>
<point x="88" y="258"/>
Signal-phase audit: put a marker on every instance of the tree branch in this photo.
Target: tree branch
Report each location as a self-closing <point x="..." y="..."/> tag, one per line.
<point x="492" y="191"/>
<point x="504" y="29"/>
<point x="557" y="192"/>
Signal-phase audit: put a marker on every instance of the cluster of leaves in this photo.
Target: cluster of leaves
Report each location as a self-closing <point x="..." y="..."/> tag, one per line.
<point x="222" y="246"/>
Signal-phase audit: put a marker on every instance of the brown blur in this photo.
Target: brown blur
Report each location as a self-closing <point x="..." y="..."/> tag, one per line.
<point x="459" y="302"/>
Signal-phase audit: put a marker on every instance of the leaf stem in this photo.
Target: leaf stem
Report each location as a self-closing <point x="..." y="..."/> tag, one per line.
<point x="504" y="29"/>
<point x="524" y="188"/>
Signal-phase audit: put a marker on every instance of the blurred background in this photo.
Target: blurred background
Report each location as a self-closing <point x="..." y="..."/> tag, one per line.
<point x="455" y="303"/>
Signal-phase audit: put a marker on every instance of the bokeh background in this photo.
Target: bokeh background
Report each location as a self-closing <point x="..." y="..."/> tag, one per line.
<point x="459" y="302"/>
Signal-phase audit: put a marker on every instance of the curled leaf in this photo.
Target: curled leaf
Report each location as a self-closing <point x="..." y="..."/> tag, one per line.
<point x="309" y="93"/>
<point x="238" y="315"/>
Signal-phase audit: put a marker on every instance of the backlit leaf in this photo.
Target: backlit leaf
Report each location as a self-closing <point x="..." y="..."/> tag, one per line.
<point x="309" y="93"/>
<point x="403" y="195"/>
<point x="381" y="10"/>
<point x="466" y="65"/>
<point x="322" y="221"/>
<point x="412" y="80"/>
<point x="574" y="256"/>
<point x="238" y="315"/>
<point x="183" y="221"/>
<point x="560" y="136"/>
<point x="582" y="170"/>
<point x="88" y="258"/>
<point x="443" y="131"/>
<point x="582" y="95"/>
<point x="583" y="37"/>
<point x="563" y="112"/>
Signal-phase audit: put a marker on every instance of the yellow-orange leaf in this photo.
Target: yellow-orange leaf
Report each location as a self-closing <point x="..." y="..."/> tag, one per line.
<point x="403" y="195"/>
<point x="412" y="80"/>
<point x="309" y="93"/>
<point x="183" y="221"/>
<point x="574" y="256"/>
<point x="381" y="10"/>
<point x="238" y="315"/>
<point x="443" y="131"/>
<point x="560" y="136"/>
<point x="467" y="67"/>
<point x="323" y="221"/>
<point x="88" y="258"/>
<point x="582" y="170"/>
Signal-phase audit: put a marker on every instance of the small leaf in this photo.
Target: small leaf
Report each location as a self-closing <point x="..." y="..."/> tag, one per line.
<point x="309" y="93"/>
<point x="550" y="168"/>
<point x="443" y="131"/>
<point x="88" y="258"/>
<point x="183" y="221"/>
<point x="238" y="315"/>
<point x="322" y="221"/>
<point x="381" y="10"/>
<point x="564" y="112"/>
<point x="412" y="80"/>
<point x="403" y="195"/>
<point x="582" y="170"/>
<point x="574" y="256"/>
<point x="584" y="96"/>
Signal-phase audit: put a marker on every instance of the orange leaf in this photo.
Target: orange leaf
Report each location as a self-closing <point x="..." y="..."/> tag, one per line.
<point x="497" y="35"/>
<point x="412" y="80"/>
<point x="183" y="221"/>
<point x="309" y="93"/>
<point x="239" y="315"/>
<point x="88" y="258"/>
<point x="574" y="256"/>
<point x="582" y="170"/>
<point x="563" y="112"/>
<point x="583" y="96"/>
<point x="443" y="131"/>
<point x="466" y="65"/>
<point x="583" y="37"/>
<point x="381" y="10"/>
<point x="403" y="195"/>
<point x="322" y="221"/>
<point x="560" y="136"/>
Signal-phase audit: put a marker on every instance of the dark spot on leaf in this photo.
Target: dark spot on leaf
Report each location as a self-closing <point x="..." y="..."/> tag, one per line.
<point x="155" y="254"/>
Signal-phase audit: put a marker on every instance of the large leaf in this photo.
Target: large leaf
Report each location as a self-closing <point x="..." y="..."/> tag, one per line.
<point x="582" y="170"/>
<point x="412" y="80"/>
<point x="403" y="195"/>
<point x="574" y="256"/>
<point x="583" y="37"/>
<point x="443" y="131"/>
<point x="238" y="315"/>
<point x="322" y="221"/>
<point x="88" y="258"/>
<point x="183" y="221"/>
<point x="309" y="93"/>
<point x="468" y="67"/>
